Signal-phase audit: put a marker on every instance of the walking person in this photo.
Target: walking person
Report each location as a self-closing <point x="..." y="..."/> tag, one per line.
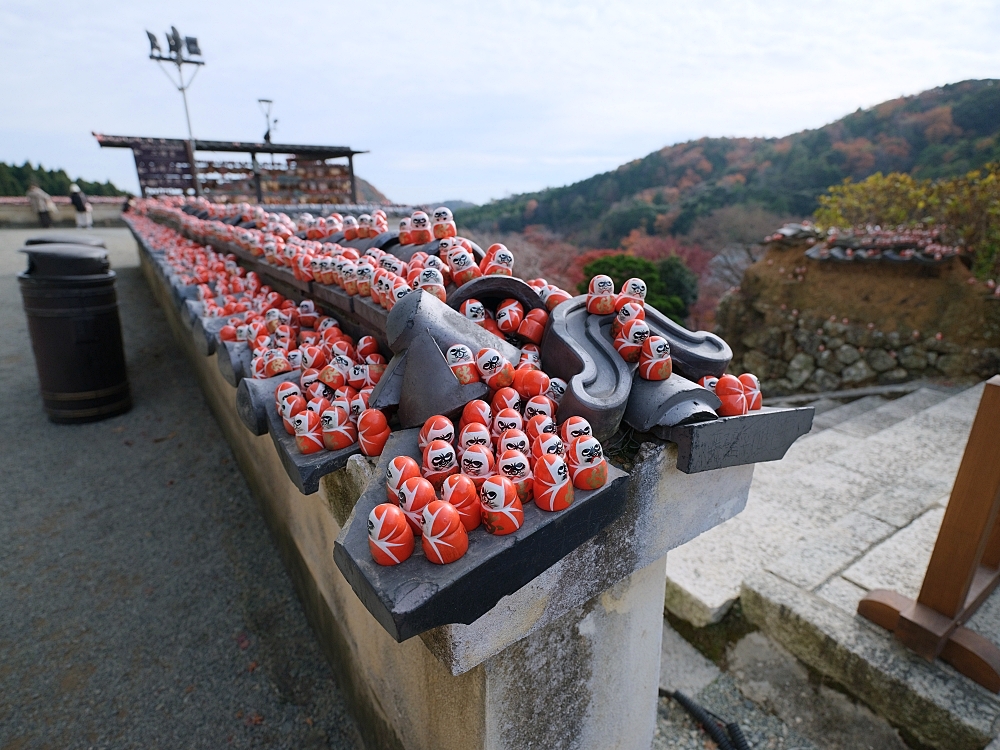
<point x="42" y="204"/>
<point x="84" y="211"/>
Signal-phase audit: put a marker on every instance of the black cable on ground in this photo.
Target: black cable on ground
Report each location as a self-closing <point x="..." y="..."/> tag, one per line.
<point x="727" y="735"/>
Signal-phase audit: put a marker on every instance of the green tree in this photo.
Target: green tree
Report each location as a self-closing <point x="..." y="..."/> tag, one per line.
<point x="15" y="180"/>
<point x="622" y="267"/>
<point x="678" y="281"/>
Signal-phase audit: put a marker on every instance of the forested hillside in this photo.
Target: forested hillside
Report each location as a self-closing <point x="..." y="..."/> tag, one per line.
<point x="15" y="180"/>
<point x="942" y="132"/>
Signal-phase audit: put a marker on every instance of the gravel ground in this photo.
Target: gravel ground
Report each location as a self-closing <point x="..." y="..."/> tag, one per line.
<point x="676" y="730"/>
<point x="142" y="600"/>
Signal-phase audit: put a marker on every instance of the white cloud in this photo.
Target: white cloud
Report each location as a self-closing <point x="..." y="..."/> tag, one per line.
<point x="471" y="100"/>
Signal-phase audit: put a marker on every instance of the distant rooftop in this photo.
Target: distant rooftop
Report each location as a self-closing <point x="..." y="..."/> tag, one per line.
<point x="245" y="147"/>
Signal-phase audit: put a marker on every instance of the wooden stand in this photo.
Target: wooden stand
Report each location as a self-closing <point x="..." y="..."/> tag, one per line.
<point x="965" y="564"/>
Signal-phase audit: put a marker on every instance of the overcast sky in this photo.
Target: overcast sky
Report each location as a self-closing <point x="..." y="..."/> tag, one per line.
<point x="470" y="100"/>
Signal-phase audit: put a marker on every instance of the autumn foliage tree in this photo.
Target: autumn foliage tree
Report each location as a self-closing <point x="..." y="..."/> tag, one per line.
<point x="969" y="206"/>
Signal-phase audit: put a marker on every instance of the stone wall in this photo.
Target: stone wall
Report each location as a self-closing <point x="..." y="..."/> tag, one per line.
<point x="794" y="350"/>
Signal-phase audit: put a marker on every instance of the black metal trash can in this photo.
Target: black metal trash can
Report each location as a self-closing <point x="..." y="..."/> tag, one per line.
<point x="69" y="299"/>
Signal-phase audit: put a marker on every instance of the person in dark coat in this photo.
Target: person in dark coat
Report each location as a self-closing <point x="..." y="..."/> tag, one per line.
<point x="84" y="212"/>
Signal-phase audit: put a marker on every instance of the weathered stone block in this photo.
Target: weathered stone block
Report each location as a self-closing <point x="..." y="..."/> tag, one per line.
<point x="880" y="360"/>
<point x="848" y="354"/>
<point x="913" y="358"/>
<point x="768" y="340"/>
<point x="894" y="376"/>
<point x="800" y="369"/>
<point x="827" y="360"/>
<point x="809" y="341"/>
<point x="932" y="344"/>
<point x="824" y="380"/>
<point x="756" y="361"/>
<point x="952" y="365"/>
<point x="859" y="372"/>
<point x="789" y="347"/>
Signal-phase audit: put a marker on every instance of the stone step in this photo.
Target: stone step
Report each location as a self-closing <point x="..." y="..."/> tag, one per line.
<point x="802" y="506"/>
<point x="847" y="411"/>
<point x="807" y="599"/>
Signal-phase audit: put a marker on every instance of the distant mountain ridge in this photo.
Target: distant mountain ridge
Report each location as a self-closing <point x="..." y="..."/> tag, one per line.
<point x="941" y="132"/>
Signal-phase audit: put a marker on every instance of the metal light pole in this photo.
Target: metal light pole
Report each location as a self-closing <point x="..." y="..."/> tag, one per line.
<point x="176" y="46"/>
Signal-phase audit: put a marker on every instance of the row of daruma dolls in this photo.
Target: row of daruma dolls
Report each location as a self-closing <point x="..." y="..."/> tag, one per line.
<point x="360" y="228"/>
<point x="633" y="339"/>
<point x="336" y="394"/>
<point x="635" y="342"/>
<point x="482" y="475"/>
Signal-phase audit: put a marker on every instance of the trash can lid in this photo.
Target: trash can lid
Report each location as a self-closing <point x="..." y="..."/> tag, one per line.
<point x="64" y="239"/>
<point x="65" y="260"/>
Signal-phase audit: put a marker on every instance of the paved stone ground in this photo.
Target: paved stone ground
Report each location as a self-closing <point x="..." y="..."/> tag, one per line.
<point x="142" y="601"/>
<point x="820" y="506"/>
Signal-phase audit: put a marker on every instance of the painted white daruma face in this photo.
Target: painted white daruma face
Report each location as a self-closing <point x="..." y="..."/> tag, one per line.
<point x="490" y="360"/>
<point x="342" y="363"/>
<point x="474" y="434"/>
<point x="404" y="225"/>
<point x="638" y="333"/>
<point x="661" y="349"/>
<point x="434" y="261"/>
<point x="430" y="276"/>
<point x="551" y="444"/>
<point x="399" y="291"/>
<point x="630" y="311"/>
<point x="460" y="355"/>
<point x="462" y="259"/>
<point x="440" y="457"/>
<point x="578" y="427"/>
<point x="602" y="284"/>
<point x="364" y="272"/>
<point x="636" y="288"/>
<point x="536" y="406"/>
<point x="443" y="431"/>
<point x="364" y="220"/>
<point x="493" y="494"/>
<point x="285" y="390"/>
<point x="513" y="465"/>
<point x="514" y="442"/>
<point x="557" y="389"/>
<point x="442" y="215"/>
<point x="473" y="309"/>
<point x="504" y="258"/>
<point x="419" y="220"/>
<point x="301" y="422"/>
<point x="294" y="358"/>
<point x="504" y="423"/>
<point x="589" y="451"/>
<point x="476" y="462"/>
<point x="350" y="222"/>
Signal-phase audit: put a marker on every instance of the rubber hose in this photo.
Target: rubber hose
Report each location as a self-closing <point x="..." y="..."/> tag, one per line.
<point x="716" y="732"/>
<point x="736" y="735"/>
